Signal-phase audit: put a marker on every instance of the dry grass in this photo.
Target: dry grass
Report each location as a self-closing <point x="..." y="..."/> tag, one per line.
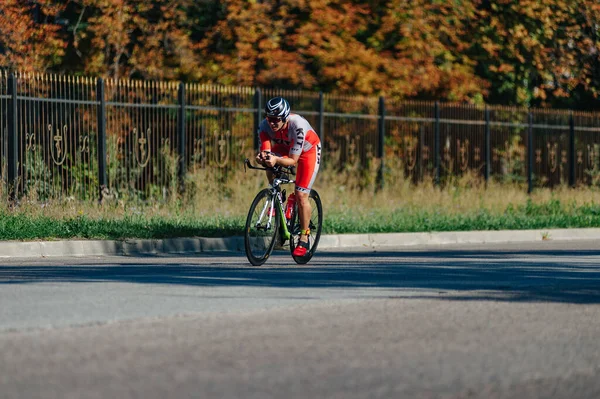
<point x="464" y="196"/>
<point x="209" y="194"/>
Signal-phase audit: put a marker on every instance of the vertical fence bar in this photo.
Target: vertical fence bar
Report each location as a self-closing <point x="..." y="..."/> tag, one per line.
<point x="181" y="137"/>
<point x="321" y="131"/>
<point x="436" y="144"/>
<point x="203" y="141"/>
<point x="421" y="150"/>
<point x="571" y="150"/>
<point x="380" y="147"/>
<point x="12" y="142"/>
<point x="257" y="116"/>
<point x="101" y="115"/>
<point x="530" y="155"/>
<point x="487" y="141"/>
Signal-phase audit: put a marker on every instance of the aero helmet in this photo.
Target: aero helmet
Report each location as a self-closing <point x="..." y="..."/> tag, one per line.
<point x="278" y="107"/>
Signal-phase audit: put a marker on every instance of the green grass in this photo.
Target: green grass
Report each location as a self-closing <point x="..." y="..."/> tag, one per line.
<point x="25" y="227"/>
<point x="351" y="205"/>
<point x="545" y="215"/>
<point x="17" y="225"/>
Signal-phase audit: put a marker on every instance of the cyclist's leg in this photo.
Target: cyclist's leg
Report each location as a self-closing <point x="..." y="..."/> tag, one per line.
<point x="308" y="167"/>
<point x="304" y="211"/>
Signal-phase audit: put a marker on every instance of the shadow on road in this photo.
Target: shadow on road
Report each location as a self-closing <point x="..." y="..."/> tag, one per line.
<point x="543" y="275"/>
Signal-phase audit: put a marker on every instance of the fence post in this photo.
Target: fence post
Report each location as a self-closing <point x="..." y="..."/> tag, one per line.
<point x="257" y="116"/>
<point x="487" y="144"/>
<point x="322" y="124"/>
<point x="530" y="155"/>
<point x="380" y="147"/>
<point x="181" y="137"/>
<point x="436" y="144"/>
<point x="12" y="141"/>
<point x="101" y="116"/>
<point x="571" y="150"/>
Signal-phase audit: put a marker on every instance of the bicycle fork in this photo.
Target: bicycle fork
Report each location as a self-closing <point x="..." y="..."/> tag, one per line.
<point x="274" y="203"/>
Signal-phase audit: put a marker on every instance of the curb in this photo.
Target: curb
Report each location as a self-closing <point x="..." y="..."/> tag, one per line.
<point x="182" y="246"/>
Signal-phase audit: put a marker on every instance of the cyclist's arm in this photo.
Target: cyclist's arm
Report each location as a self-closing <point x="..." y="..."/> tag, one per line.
<point x="273" y="160"/>
<point x="265" y="141"/>
<point x="265" y="148"/>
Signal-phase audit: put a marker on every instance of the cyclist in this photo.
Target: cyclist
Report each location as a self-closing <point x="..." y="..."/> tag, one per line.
<point x="295" y="143"/>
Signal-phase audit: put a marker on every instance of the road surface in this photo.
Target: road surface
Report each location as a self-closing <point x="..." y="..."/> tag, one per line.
<point x="485" y="321"/>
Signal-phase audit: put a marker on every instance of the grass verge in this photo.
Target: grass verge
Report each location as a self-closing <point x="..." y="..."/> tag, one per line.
<point x="351" y="206"/>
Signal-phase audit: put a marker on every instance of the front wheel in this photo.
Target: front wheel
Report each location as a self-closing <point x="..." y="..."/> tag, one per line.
<point x="315" y="226"/>
<point x="261" y="229"/>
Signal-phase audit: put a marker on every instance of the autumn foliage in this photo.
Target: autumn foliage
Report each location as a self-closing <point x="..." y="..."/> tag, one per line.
<point x="517" y="52"/>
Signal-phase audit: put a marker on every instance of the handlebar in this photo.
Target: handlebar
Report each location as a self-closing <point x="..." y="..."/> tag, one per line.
<point x="277" y="170"/>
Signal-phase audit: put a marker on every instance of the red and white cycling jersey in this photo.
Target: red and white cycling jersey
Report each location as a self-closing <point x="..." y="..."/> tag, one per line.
<point x="296" y="138"/>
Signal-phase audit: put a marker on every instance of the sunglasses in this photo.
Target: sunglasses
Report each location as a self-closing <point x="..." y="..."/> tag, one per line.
<point x="273" y="119"/>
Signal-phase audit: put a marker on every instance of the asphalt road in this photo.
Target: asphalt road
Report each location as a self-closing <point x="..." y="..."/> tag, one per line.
<point x="486" y="321"/>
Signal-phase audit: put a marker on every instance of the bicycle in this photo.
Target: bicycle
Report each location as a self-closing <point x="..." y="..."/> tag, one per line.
<point x="266" y="222"/>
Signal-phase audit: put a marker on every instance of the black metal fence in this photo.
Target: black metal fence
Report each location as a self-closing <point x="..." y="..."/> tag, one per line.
<point x="88" y="138"/>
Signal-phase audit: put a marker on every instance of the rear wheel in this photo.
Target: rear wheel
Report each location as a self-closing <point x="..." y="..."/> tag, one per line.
<point x="262" y="225"/>
<point x="315" y="226"/>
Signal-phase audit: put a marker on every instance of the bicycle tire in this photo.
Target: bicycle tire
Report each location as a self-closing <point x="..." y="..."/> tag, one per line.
<point x="315" y="226"/>
<point x="259" y="235"/>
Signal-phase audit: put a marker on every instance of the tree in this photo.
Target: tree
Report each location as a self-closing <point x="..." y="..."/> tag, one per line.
<point x="423" y="44"/>
<point x="250" y="45"/>
<point x="402" y="49"/>
<point x="131" y="39"/>
<point x="534" y="52"/>
<point x="29" y="35"/>
<point x="514" y="52"/>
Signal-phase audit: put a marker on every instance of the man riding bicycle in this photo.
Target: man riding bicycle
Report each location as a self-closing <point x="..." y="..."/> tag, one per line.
<point x="295" y="142"/>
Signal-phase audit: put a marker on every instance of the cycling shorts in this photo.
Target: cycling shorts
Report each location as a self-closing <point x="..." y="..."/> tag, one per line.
<point x="307" y="167"/>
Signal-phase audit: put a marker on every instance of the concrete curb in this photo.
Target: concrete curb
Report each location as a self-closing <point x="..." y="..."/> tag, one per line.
<point x="16" y="249"/>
